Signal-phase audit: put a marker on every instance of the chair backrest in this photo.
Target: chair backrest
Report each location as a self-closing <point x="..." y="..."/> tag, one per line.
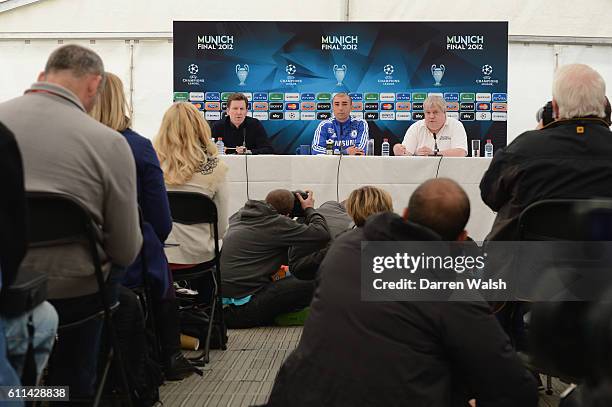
<point x="55" y="219"/>
<point x="566" y="220"/>
<point x="190" y="208"/>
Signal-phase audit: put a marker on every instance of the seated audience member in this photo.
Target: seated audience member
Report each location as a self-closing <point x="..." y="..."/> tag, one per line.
<point x="111" y="109"/>
<point x="338" y="220"/>
<point x="349" y="134"/>
<point x="385" y="353"/>
<point x="190" y="162"/>
<point x="241" y="133"/>
<point x="434" y="130"/>
<point x="361" y="203"/>
<point x="569" y="158"/>
<point x="14" y="334"/>
<point x="254" y="248"/>
<point x="65" y="150"/>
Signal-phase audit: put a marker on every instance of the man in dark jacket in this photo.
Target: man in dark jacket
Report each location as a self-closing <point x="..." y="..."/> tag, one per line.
<point x="241" y="133"/>
<point x="569" y="158"/>
<point x="358" y="353"/>
<point x="255" y="246"/>
<point x="304" y="261"/>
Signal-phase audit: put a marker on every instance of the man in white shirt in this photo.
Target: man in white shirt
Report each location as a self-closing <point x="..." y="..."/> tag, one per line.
<point x="435" y="132"/>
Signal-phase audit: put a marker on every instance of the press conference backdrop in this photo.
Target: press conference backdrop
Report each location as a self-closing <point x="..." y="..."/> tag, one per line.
<point x="290" y="71"/>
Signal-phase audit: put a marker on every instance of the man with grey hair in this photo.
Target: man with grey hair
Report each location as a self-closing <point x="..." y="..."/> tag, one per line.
<point x="436" y="134"/>
<point x="66" y="151"/>
<point x="569" y="158"/>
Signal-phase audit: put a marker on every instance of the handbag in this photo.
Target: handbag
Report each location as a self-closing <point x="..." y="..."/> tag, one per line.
<point x="27" y="291"/>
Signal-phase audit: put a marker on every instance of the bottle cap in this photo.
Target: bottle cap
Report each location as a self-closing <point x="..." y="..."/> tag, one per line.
<point x="220" y="139"/>
<point x="488" y="140"/>
<point x="385" y="139"/>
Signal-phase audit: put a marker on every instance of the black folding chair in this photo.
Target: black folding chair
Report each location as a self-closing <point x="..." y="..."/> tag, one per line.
<point x="58" y="219"/>
<point x="191" y="208"/>
<point x="564" y="220"/>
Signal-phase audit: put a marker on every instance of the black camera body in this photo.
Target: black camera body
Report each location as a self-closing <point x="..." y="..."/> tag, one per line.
<point x="297" y="211"/>
<point x="545" y="114"/>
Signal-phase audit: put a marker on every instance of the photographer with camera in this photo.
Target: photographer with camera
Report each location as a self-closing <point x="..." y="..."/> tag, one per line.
<point x="255" y="247"/>
<point x="570" y="157"/>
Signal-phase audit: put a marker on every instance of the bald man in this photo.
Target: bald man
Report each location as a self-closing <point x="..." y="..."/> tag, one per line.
<point x="441" y="205"/>
<point x="255" y="246"/>
<point x="352" y="352"/>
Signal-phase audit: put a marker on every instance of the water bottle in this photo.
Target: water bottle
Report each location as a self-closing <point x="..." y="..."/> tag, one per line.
<point x="220" y="146"/>
<point x="489" y="149"/>
<point x="385" y="148"/>
<point x="370" y="148"/>
<point x="329" y="147"/>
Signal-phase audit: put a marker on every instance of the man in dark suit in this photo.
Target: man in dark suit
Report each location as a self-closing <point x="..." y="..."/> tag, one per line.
<point x="240" y="133"/>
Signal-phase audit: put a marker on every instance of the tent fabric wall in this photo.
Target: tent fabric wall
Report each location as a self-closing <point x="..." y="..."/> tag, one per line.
<point x="134" y="40"/>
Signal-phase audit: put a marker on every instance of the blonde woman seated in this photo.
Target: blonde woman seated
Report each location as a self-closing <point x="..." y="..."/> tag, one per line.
<point x="190" y="163"/>
<point x="112" y="110"/>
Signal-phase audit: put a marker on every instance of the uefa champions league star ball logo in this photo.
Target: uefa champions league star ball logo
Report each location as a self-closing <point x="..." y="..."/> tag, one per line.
<point x="388" y="69"/>
<point x="193" y="69"/>
<point x="487" y="70"/>
<point x="290" y="69"/>
<point x="242" y="72"/>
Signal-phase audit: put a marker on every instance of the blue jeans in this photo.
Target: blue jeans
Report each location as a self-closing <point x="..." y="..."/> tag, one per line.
<point x="8" y="377"/>
<point x="16" y="330"/>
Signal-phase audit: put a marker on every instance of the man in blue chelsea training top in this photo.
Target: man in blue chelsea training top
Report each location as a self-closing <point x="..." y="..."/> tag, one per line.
<point x="350" y="135"/>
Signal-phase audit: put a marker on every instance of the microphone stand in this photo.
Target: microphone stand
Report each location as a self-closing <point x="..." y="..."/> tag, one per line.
<point x="246" y="151"/>
<point x="436" y="150"/>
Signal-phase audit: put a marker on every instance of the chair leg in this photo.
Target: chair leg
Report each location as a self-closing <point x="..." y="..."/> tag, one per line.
<point x="211" y="319"/>
<point x="118" y="359"/>
<point x="102" y="381"/>
<point x="549" y="389"/>
<point x="219" y="305"/>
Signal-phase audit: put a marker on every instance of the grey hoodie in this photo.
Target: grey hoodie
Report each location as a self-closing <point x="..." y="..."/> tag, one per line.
<point x="257" y="242"/>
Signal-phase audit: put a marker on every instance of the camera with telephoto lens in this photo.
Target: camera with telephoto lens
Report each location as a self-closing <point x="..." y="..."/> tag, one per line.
<point x="297" y="211"/>
<point x="545" y="113"/>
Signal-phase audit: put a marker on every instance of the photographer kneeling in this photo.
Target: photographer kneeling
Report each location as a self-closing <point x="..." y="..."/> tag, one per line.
<point x="255" y="247"/>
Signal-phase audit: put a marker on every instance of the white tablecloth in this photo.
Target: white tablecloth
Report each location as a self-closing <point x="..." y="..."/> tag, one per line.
<point x="334" y="177"/>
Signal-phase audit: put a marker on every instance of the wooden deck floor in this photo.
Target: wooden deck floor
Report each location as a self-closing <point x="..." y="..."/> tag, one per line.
<point x="243" y="374"/>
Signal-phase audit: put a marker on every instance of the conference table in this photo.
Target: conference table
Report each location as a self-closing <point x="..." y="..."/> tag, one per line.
<point x="332" y="178"/>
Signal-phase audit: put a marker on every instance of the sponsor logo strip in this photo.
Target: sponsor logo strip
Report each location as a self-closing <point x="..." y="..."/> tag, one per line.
<point x="467" y="97"/>
<point x="212" y="96"/>
<point x="483" y="97"/>
<point x="403" y="116"/>
<point x="196" y="96"/>
<point x="500" y="97"/>
<point x="260" y="115"/>
<point x="403" y="106"/>
<point x="309" y="106"/>
<point x="499" y="107"/>
<point x="466" y="116"/>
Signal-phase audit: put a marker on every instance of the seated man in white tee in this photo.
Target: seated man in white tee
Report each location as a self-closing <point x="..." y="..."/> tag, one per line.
<point x="436" y="130"/>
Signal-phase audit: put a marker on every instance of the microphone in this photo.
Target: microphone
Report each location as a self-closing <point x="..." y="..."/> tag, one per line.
<point x="244" y="137"/>
<point x="436" y="150"/>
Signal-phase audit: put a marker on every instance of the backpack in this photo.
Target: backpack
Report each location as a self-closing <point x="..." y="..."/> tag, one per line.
<point x="194" y="322"/>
